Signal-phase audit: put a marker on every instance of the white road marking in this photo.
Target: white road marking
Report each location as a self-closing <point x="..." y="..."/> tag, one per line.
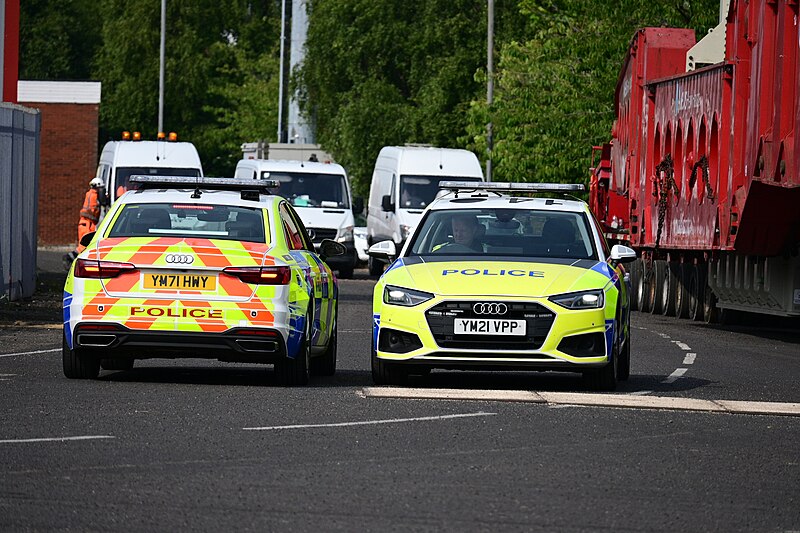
<point x="57" y="439"/>
<point x="7" y="375"/>
<point x="675" y="375"/>
<point x="689" y="359"/>
<point x="632" y="401"/>
<point x="641" y="392"/>
<point x="682" y="345"/>
<point x="29" y="353"/>
<point x="663" y="335"/>
<point x="370" y="422"/>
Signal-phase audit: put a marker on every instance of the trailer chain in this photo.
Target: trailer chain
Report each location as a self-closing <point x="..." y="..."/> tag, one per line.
<point x="665" y="182"/>
<point x="702" y="163"/>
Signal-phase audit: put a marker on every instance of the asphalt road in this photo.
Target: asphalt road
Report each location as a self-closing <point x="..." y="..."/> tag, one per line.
<point x="201" y="445"/>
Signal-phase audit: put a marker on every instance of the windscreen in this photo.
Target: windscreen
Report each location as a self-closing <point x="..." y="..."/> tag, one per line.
<point x="124" y="174"/>
<point x="416" y="192"/>
<point x="190" y="220"/>
<point x="504" y="233"/>
<point x="311" y="190"/>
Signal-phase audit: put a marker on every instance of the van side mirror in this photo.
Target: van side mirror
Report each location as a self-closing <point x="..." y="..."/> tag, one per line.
<point x="386" y="203"/>
<point x="384" y="251"/>
<point x="87" y="239"/>
<point x="358" y="205"/>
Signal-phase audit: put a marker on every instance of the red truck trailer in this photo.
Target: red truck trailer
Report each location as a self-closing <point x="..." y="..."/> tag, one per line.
<point x="702" y="173"/>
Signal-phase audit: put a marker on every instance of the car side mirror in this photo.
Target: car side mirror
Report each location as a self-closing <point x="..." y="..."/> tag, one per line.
<point x="329" y="248"/>
<point x="358" y="205"/>
<point x="622" y="254"/>
<point x="386" y="203"/>
<point x="87" y="239"/>
<point x="384" y="251"/>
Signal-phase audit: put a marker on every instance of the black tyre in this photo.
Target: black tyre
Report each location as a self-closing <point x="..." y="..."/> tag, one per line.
<point x="116" y="364"/>
<point x="656" y="286"/>
<point x="325" y="364"/>
<point x="670" y="289"/>
<point x="710" y="310"/>
<point x="696" y="292"/>
<point x="682" y="292"/>
<point x="642" y="290"/>
<point x="604" y="379"/>
<point x="636" y="274"/>
<point x="294" y="372"/>
<point x="386" y="373"/>
<point x="77" y="364"/>
<point x="375" y="267"/>
<point x="624" y="365"/>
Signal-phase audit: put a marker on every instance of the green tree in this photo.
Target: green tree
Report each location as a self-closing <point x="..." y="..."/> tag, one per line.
<point x="554" y="92"/>
<point x="219" y="76"/>
<point x="56" y="40"/>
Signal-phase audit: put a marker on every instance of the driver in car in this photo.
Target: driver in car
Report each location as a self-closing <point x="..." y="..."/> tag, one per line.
<point x="467" y="233"/>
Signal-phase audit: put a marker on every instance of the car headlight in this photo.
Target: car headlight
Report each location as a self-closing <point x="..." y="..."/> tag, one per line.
<point x="345" y="234"/>
<point x="406" y="297"/>
<point x="594" y="299"/>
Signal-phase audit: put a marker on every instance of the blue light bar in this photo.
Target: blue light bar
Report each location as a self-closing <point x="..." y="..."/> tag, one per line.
<point x="511" y="187"/>
<point x="189" y="182"/>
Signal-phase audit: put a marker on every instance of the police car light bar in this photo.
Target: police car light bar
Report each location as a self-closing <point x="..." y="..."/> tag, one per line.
<point x="189" y="182"/>
<point x="511" y="187"/>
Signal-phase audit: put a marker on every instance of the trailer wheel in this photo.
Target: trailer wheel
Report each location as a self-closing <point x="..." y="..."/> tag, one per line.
<point x="656" y="286"/>
<point x="710" y="311"/>
<point x="636" y="274"/>
<point x="696" y="280"/>
<point x="642" y="291"/>
<point x="682" y="293"/>
<point x="670" y="289"/>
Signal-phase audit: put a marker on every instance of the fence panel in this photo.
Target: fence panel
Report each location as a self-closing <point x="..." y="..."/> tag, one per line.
<point x="19" y="186"/>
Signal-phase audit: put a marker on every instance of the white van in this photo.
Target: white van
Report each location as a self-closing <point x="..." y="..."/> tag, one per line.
<point x="405" y="180"/>
<point x="120" y="160"/>
<point x="320" y="193"/>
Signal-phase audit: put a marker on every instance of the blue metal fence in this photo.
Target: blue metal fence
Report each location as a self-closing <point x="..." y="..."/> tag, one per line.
<point x="19" y="191"/>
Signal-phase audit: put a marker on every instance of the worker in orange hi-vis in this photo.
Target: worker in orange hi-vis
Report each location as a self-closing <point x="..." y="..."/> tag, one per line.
<point x="90" y="215"/>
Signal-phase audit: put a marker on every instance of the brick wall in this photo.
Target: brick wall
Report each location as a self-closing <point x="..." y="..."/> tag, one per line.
<point x="67" y="161"/>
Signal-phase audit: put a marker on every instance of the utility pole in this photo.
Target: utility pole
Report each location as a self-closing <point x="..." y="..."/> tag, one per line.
<point x="489" y="84"/>
<point x="161" y="66"/>
<point x="280" y="73"/>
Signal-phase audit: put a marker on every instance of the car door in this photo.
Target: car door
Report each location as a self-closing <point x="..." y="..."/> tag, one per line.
<point x="318" y="275"/>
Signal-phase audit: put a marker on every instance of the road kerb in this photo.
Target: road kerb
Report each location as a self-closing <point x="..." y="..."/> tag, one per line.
<point x="631" y="401"/>
<point x="761" y="408"/>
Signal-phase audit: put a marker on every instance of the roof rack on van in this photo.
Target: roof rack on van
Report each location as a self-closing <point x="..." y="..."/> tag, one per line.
<point x="499" y="189"/>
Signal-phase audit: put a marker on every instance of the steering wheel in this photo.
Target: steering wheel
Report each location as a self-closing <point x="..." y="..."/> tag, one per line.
<point x="454" y="247"/>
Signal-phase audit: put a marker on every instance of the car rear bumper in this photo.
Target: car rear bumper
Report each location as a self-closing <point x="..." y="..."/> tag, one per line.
<point x="245" y="345"/>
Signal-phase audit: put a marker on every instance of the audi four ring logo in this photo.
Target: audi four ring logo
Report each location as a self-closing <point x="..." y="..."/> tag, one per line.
<point x="490" y="308"/>
<point x="183" y="259"/>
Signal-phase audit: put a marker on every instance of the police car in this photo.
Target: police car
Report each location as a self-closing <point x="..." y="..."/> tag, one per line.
<point x="201" y="267"/>
<point x="492" y="278"/>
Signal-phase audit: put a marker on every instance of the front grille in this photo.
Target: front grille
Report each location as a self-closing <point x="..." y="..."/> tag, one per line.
<point x="323" y="233"/>
<point x="538" y="320"/>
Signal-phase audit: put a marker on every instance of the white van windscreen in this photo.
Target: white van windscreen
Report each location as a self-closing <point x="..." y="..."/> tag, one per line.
<point x="311" y="190"/>
<point x="124" y="174"/>
<point x="416" y="192"/>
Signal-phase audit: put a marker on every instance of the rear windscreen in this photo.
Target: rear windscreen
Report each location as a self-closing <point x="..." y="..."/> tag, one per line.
<point x="190" y="220"/>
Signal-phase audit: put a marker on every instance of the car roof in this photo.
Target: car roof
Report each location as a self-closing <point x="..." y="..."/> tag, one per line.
<point x="213" y="197"/>
<point x="282" y="165"/>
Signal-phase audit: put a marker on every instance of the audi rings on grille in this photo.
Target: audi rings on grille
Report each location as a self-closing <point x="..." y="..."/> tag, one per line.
<point x="491" y="308"/>
<point x="183" y="259"/>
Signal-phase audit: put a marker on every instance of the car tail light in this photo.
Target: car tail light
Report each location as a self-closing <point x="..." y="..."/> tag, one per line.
<point x="268" y="275"/>
<point x="88" y="268"/>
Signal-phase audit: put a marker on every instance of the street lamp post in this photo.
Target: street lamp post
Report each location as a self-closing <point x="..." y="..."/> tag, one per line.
<point x="161" y="67"/>
<point x="489" y="84"/>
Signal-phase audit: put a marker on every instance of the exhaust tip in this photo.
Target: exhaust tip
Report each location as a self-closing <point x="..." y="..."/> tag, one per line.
<point x="96" y="340"/>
